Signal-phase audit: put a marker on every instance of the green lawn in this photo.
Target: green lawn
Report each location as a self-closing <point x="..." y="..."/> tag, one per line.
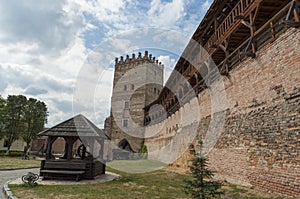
<point x="17" y="163"/>
<point x="158" y="184"/>
<point x="136" y="166"/>
<point x="155" y="184"/>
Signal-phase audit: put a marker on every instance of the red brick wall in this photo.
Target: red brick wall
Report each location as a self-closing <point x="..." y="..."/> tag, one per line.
<point x="260" y="142"/>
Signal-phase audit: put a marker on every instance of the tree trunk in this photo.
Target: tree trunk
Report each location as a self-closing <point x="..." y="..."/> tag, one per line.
<point x="28" y="145"/>
<point x="8" y="150"/>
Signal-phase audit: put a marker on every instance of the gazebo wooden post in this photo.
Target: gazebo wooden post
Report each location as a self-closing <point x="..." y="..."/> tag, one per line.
<point x="101" y="149"/>
<point x="69" y="146"/>
<point x="51" y="140"/>
<point x="87" y="142"/>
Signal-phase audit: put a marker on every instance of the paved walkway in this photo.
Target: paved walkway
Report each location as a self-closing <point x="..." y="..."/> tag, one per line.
<point x="13" y="174"/>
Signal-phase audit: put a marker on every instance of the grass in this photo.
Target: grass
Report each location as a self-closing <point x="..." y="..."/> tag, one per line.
<point x="11" y="153"/>
<point x="155" y="184"/>
<point x="136" y="166"/>
<point x="238" y="192"/>
<point x="7" y="163"/>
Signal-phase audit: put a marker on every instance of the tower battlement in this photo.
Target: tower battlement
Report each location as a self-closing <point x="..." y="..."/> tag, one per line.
<point x="139" y="59"/>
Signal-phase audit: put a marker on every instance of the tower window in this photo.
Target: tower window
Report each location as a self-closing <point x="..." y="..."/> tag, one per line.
<point x="132" y="87"/>
<point x="126" y="105"/>
<point x="125" y="87"/>
<point x="125" y="123"/>
<point x="154" y="90"/>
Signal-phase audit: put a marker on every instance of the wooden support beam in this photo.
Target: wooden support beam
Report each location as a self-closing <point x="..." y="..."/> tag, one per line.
<point x="229" y="5"/>
<point x="293" y="17"/>
<point x="238" y="17"/>
<point x="296" y="15"/>
<point x="249" y="49"/>
<point x="272" y="30"/>
<point x="256" y="12"/>
<point x="223" y="47"/>
<point x="251" y="25"/>
<point x="297" y="11"/>
<point x="252" y="30"/>
<point x="291" y="12"/>
<point x="213" y="46"/>
<point x="226" y="51"/>
<point x="216" y="23"/>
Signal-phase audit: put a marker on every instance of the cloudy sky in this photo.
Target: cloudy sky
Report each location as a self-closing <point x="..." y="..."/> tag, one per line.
<point x="61" y="51"/>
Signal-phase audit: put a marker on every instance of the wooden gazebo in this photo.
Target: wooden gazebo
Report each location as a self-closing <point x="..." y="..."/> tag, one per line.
<point x="85" y="161"/>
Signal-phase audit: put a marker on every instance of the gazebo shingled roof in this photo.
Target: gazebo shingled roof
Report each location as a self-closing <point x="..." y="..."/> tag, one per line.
<point x="78" y="125"/>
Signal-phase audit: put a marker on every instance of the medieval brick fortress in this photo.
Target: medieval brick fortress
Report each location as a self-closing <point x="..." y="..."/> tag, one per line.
<point x="255" y="45"/>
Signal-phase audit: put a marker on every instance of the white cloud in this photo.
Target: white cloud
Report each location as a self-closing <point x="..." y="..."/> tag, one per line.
<point x="43" y="45"/>
<point x="43" y="24"/>
<point x="206" y="5"/>
<point x="169" y="64"/>
<point x="166" y="14"/>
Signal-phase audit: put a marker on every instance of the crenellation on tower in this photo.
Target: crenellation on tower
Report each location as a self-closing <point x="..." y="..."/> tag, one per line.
<point x="136" y="60"/>
<point x="146" y="55"/>
<point x="121" y="60"/>
<point x="139" y="55"/>
<point x="127" y="59"/>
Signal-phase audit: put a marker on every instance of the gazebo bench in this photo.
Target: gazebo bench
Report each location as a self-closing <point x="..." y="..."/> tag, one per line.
<point x="63" y="169"/>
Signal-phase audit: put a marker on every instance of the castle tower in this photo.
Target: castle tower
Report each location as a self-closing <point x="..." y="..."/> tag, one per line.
<point x="137" y="82"/>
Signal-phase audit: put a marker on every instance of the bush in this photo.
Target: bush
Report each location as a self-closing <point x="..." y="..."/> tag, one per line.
<point x="12" y="153"/>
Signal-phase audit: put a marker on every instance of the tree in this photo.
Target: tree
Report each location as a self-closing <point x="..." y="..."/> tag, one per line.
<point x="201" y="186"/>
<point x="2" y="116"/>
<point x="21" y="118"/>
<point x="14" y="125"/>
<point x="35" y="116"/>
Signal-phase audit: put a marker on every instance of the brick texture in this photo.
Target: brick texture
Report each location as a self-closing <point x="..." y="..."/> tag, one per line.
<point x="260" y="142"/>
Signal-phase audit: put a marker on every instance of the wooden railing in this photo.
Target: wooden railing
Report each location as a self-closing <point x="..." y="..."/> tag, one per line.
<point x="266" y="33"/>
<point x="239" y="10"/>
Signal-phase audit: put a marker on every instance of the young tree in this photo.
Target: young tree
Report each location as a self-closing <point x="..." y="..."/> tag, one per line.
<point x="14" y="126"/>
<point x="35" y="116"/>
<point x="143" y="151"/>
<point x="201" y="186"/>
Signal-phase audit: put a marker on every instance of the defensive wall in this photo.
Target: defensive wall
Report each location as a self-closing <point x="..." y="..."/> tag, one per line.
<point x="260" y="141"/>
